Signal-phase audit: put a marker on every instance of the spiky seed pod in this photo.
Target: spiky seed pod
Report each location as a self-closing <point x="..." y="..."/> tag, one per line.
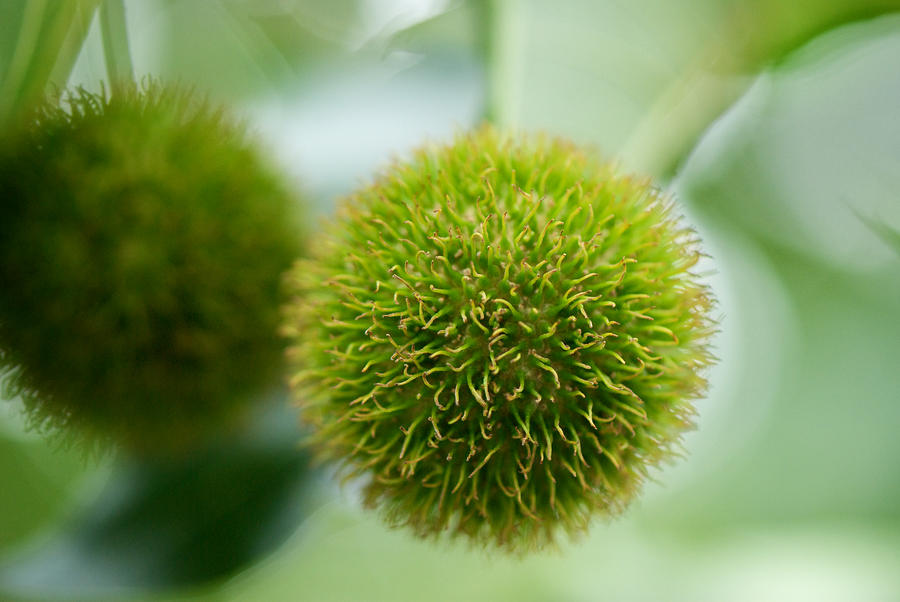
<point x="503" y="335"/>
<point x="142" y="242"/>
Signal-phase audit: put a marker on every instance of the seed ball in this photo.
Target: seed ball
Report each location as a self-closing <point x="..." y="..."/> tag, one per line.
<point x="502" y="336"/>
<point x="142" y="242"/>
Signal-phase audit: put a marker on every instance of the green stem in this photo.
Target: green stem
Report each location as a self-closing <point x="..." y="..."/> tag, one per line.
<point x="500" y="22"/>
<point x="17" y="73"/>
<point x="116" y="52"/>
<point x="50" y="38"/>
<point x="73" y="42"/>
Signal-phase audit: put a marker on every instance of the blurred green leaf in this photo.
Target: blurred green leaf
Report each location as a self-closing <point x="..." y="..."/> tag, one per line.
<point x="752" y="34"/>
<point x="237" y="48"/>
<point x="642" y="79"/>
<point x="160" y="524"/>
<point x="38" y="482"/>
<point x="814" y="144"/>
<point x="821" y="444"/>
<point x="460" y="25"/>
<point x="811" y="147"/>
<point x="890" y="236"/>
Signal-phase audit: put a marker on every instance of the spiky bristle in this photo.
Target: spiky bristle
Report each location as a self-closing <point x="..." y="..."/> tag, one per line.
<point x="503" y="335"/>
<point x="142" y="241"/>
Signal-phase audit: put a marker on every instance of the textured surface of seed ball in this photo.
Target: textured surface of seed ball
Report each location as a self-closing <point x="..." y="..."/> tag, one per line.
<point x="503" y="336"/>
<point x="142" y="242"/>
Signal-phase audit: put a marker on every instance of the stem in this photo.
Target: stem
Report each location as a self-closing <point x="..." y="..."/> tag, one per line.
<point x="73" y="42"/>
<point x="17" y="73"/>
<point x="500" y="23"/>
<point x="114" y="30"/>
<point x="50" y="38"/>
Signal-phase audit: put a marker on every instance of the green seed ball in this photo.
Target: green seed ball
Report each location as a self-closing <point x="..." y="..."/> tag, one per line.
<point x="142" y="242"/>
<point x="503" y="336"/>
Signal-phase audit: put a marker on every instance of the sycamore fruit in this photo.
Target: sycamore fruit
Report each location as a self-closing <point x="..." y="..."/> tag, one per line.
<point x="142" y="242"/>
<point x="502" y="335"/>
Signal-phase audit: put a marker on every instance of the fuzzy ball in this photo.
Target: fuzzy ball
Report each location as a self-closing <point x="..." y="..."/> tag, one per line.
<point x="503" y="336"/>
<point x="142" y="242"/>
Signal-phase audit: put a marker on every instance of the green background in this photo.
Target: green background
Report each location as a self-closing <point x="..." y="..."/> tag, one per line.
<point x="776" y="125"/>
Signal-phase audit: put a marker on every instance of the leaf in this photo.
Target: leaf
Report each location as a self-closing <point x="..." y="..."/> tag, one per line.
<point x="235" y="49"/>
<point x="161" y="524"/>
<point x="642" y="79"/>
<point x="890" y="236"/>
<point x="38" y="482"/>
<point x="812" y="146"/>
<point x="797" y="166"/>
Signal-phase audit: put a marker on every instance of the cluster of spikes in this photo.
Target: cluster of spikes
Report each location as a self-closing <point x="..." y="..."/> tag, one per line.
<point x="143" y="236"/>
<point x="502" y="336"/>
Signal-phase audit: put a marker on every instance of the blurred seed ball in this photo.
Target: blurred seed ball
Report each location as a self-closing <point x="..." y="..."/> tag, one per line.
<point x="142" y="242"/>
<point x="508" y="337"/>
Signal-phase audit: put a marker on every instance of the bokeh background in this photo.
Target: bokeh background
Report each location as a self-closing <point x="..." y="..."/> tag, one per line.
<point x="777" y="126"/>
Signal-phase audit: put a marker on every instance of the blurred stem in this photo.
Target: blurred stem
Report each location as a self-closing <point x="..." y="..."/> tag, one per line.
<point x="49" y="40"/>
<point x="116" y="52"/>
<point x="500" y="22"/>
<point x="71" y="45"/>
<point x="13" y="87"/>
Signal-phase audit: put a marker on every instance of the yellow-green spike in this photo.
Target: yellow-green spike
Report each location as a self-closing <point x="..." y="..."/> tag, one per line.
<point x="546" y="325"/>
